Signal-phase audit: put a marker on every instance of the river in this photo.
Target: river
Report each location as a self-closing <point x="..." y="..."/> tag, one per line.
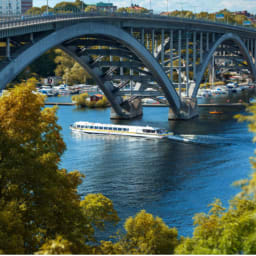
<point x="169" y="179"/>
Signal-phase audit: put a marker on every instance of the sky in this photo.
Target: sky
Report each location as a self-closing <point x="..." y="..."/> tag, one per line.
<point x="161" y="5"/>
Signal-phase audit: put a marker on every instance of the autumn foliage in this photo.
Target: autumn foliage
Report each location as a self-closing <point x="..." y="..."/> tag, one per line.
<point x="40" y="209"/>
<point x="42" y="213"/>
<point x="39" y="204"/>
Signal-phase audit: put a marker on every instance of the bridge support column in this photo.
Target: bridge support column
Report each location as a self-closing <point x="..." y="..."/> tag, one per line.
<point x="187" y="64"/>
<point x="153" y="41"/>
<point x="162" y="47"/>
<point x="188" y="110"/>
<point x="255" y="52"/>
<point x="171" y="55"/>
<point x="131" y="110"/>
<point x="8" y="48"/>
<point x="179" y="53"/>
<point x="194" y="55"/>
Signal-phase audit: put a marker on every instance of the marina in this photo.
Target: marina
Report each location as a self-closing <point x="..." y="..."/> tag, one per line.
<point x="160" y="105"/>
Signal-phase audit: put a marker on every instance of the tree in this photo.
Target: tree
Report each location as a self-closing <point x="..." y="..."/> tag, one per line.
<point x="231" y="230"/>
<point x="44" y="65"/>
<point x="145" y="234"/>
<point x="67" y="7"/>
<point x="34" y="11"/>
<point x="70" y="70"/>
<point x="91" y="8"/>
<point x="39" y="204"/>
<point x="133" y="9"/>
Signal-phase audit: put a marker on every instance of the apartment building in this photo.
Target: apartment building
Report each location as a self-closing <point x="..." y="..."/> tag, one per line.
<point x="10" y="7"/>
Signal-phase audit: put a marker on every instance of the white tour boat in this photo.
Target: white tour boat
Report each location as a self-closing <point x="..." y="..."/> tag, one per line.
<point x="126" y="130"/>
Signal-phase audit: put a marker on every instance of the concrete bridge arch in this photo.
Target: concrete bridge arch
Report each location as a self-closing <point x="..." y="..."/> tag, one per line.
<point x="58" y="37"/>
<point x="208" y="56"/>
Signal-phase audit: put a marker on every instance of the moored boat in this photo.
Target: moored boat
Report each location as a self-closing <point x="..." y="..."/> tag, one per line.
<point x="125" y="130"/>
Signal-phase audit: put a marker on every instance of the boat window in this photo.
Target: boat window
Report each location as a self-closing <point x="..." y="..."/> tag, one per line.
<point x="119" y="129"/>
<point x="78" y="126"/>
<point x="110" y="128"/>
<point x="115" y="129"/>
<point x="100" y="127"/>
<point x="96" y="127"/>
<point x="91" y="127"/>
<point x="148" y="131"/>
<point x="105" y="128"/>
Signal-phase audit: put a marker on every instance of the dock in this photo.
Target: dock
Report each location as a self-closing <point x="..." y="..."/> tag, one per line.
<point x="214" y="105"/>
<point x="59" y="103"/>
<point x="209" y="105"/>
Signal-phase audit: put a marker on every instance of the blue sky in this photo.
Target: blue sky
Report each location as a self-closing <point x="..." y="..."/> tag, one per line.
<point x="161" y="5"/>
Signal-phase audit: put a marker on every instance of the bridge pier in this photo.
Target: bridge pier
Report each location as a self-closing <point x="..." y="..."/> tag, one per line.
<point x="188" y="110"/>
<point x="130" y="110"/>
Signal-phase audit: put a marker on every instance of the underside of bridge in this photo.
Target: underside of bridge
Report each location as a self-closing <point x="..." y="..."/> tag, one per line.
<point x="131" y="63"/>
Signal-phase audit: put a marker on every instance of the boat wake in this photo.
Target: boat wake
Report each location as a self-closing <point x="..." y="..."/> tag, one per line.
<point x="199" y="139"/>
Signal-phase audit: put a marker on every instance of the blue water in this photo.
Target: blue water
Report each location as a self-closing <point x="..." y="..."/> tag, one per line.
<point x="169" y="179"/>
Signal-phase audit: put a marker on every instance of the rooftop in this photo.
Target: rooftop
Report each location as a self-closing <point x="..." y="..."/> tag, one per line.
<point x="101" y="4"/>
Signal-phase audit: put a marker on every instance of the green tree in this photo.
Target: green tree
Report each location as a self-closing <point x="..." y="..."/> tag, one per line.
<point x="44" y="65"/>
<point x="39" y="204"/>
<point x="68" y="69"/>
<point x="231" y="230"/>
<point x="34" y="11"/>
<point x="68" y="7"/>
<point x="80" y="100"/>
<point x="145" y="234"/>
<point x="91" y="8"/>
<point x="133" y="10"/>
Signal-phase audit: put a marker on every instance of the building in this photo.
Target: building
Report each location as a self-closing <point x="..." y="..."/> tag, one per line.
<point x="135" y="8"/>
<point x="10" y="7"/>
<point x="26" y="5"/>
<point x="245" y="13"/>
<point x="106" y="7"/>
<point x="96" y="97"/>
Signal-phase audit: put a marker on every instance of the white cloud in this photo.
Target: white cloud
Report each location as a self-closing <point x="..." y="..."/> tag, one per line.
<point x="239" y="5"/>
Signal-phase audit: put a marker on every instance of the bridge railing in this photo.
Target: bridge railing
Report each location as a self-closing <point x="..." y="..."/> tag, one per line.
<point x="23" y="20"/>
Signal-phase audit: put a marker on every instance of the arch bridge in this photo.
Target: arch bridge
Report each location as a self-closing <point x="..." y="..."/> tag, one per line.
<point x="155" y="55"/>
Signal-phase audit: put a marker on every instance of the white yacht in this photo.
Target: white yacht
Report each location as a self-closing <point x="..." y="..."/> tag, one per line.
<point x="126" y="130"/>
<point x="48" y="91"/>
<point x="204" y="93"/>
<point x="219" y="90"/>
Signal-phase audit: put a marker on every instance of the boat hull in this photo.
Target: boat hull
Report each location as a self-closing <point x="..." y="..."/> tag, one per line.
<point x="131" y="134"/>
